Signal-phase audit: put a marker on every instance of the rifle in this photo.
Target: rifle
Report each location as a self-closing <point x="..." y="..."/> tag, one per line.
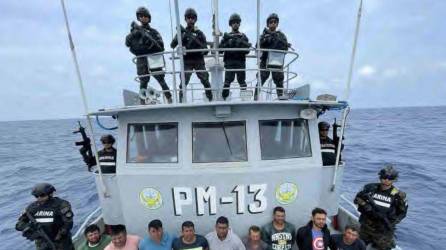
<point x="38" y="232"/>
<point x="85" y="150"/>
<point x="376" y="213"/>
<point x="145" y="35"/>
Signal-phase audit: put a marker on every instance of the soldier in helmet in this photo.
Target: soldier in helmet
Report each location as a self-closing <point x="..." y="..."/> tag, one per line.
<point x="193" y="38"/>
<point x="234" y="59"/>
<point x="382" y="206"/>
<point x="144" y="40"/>
<point x="48" y="220"/>
<point x="107" y="156"/>
<point x="328" y="146"/>
<point x="272" y="38"/>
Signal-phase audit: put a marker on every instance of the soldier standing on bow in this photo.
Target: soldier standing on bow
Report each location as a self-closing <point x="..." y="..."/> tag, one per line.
<point x="144" y="40"/>
<point x="193" y="38"/>
<point x="234" y="59"/>
<point x="272" y="38"/>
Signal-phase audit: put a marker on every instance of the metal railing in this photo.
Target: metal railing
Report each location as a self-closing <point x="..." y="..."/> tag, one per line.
<point x="217" y="91"/>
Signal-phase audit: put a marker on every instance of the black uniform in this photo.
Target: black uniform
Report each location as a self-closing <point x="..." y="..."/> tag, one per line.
<point x="144" y="40"/>
<point x="56" y="220"/>
<point x="380" y="211"/>
<point x="272" y="40"/>
<point x="107" y="160"/>
<point x="234" y="59"/>
<point x="193" y="38"/>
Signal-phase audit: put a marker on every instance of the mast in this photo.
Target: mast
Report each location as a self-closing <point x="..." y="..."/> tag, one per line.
<point x="84" y="98"/>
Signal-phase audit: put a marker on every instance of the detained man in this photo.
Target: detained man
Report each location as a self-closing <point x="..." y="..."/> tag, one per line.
<point x="121" y="240"/>
<point x="348" y="240"/>
<point x="157" y="238"/>
<point x="253" y="241"/>
<point x="95" y="241"/>
<point x="190" y="240"/>
<point x="223" y="237"/>
<point x="278" y="234"/>
<point x="315" y="235"/>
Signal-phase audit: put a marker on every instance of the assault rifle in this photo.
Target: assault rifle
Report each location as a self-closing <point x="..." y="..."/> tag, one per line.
<point x="85" y="150"/>
<point x="374" y="211"/>
<point x="35" y="231"/>
<point x="138" y="29"/>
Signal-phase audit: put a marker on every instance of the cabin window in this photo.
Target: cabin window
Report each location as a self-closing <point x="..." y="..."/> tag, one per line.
<point x="282" y="139"/>
<point x="152" y="143"/>
<point x="219" y="141"/>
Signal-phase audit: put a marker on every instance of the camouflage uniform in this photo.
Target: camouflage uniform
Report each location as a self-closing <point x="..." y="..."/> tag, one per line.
<point x="56" y="220"/>
<point x="380" y="211"/>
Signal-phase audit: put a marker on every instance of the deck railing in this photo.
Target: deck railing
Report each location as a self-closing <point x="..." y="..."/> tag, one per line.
<point x="216" y="70"/>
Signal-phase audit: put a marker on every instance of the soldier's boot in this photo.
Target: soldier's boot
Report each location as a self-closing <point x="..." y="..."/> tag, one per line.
<point x="225" y="92"/>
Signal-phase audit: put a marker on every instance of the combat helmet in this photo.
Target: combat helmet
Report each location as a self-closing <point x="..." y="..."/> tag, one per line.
<point x="190" y="12"/>
<point x="108" y="139"/>
<point x="42" y="189"/>
<point x="143" y="11"/>
<point x="272" y="16"/>
<point x="388" y="172"/>
<point x="234" y="18"/>
<point x="323" y="125"/>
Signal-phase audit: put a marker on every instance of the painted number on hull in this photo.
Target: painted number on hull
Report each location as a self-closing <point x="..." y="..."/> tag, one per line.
<point x="183" y="197"/>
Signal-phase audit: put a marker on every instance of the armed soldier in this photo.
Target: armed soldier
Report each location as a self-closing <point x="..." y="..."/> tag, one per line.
<point x="193" y="38"/>
<point x="328" y="146"/>
<point x="144" y="40"/>
<point x="48" y="220"/>
<point x="382" y="206"/>
<point x="272" y="38"/>
<point x="234" y="59"/>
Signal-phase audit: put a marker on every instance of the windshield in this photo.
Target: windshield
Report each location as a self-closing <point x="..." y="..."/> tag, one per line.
<point x="219" y="141"/>
<point x="281" y="139"/>
<point x="152" y="143"/>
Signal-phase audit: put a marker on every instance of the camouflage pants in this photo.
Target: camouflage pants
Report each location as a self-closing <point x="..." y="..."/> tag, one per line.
<point x="381" y="238"/>
<point x="278" y="78"/>
<point x="66" y="244"/>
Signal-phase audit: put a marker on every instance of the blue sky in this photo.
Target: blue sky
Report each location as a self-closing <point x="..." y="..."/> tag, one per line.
<point x="401" y="56"/>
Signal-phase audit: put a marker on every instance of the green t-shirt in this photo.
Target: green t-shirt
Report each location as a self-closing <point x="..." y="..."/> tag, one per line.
<point x="105" y="240"/>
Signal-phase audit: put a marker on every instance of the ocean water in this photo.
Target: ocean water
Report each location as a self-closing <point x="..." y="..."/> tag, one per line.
<point x="414" y="139"/>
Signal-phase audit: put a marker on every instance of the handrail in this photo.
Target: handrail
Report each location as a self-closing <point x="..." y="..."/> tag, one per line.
<point x="217" y="53"/>
<point x="342" y="196"/>
<point x="86" y="222"/>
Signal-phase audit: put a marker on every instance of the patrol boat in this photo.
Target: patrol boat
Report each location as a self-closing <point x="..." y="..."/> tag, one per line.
<point x="198" y="160"/>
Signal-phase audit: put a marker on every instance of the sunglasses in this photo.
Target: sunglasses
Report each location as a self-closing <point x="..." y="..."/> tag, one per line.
<point x="272" y="21"/>
<point x="388" y="177"/>
<point x="191" y="17"/>
<point x="40" y="195"/>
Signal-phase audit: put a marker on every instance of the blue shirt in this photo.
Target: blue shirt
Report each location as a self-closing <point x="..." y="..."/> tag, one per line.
<point x="318" y="240"/>
<point x="149" y="244"/>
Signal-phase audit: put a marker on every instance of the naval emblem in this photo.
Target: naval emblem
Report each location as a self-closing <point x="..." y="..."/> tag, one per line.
<point x="286" y="193"/>
<point x="151" y="198"/>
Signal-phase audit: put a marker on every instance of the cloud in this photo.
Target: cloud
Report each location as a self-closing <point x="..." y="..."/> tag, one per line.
<point x="367" y="71"/>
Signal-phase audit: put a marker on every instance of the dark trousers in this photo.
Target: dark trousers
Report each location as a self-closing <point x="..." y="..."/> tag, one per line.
<point x="197" y="64"/>
<point x="278" y="78"/>
<point x="142" y="68"/>
<point x="230" y="76"/>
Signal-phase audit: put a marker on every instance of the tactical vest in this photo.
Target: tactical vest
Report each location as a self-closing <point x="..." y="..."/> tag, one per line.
<point x="107" y="161"/>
